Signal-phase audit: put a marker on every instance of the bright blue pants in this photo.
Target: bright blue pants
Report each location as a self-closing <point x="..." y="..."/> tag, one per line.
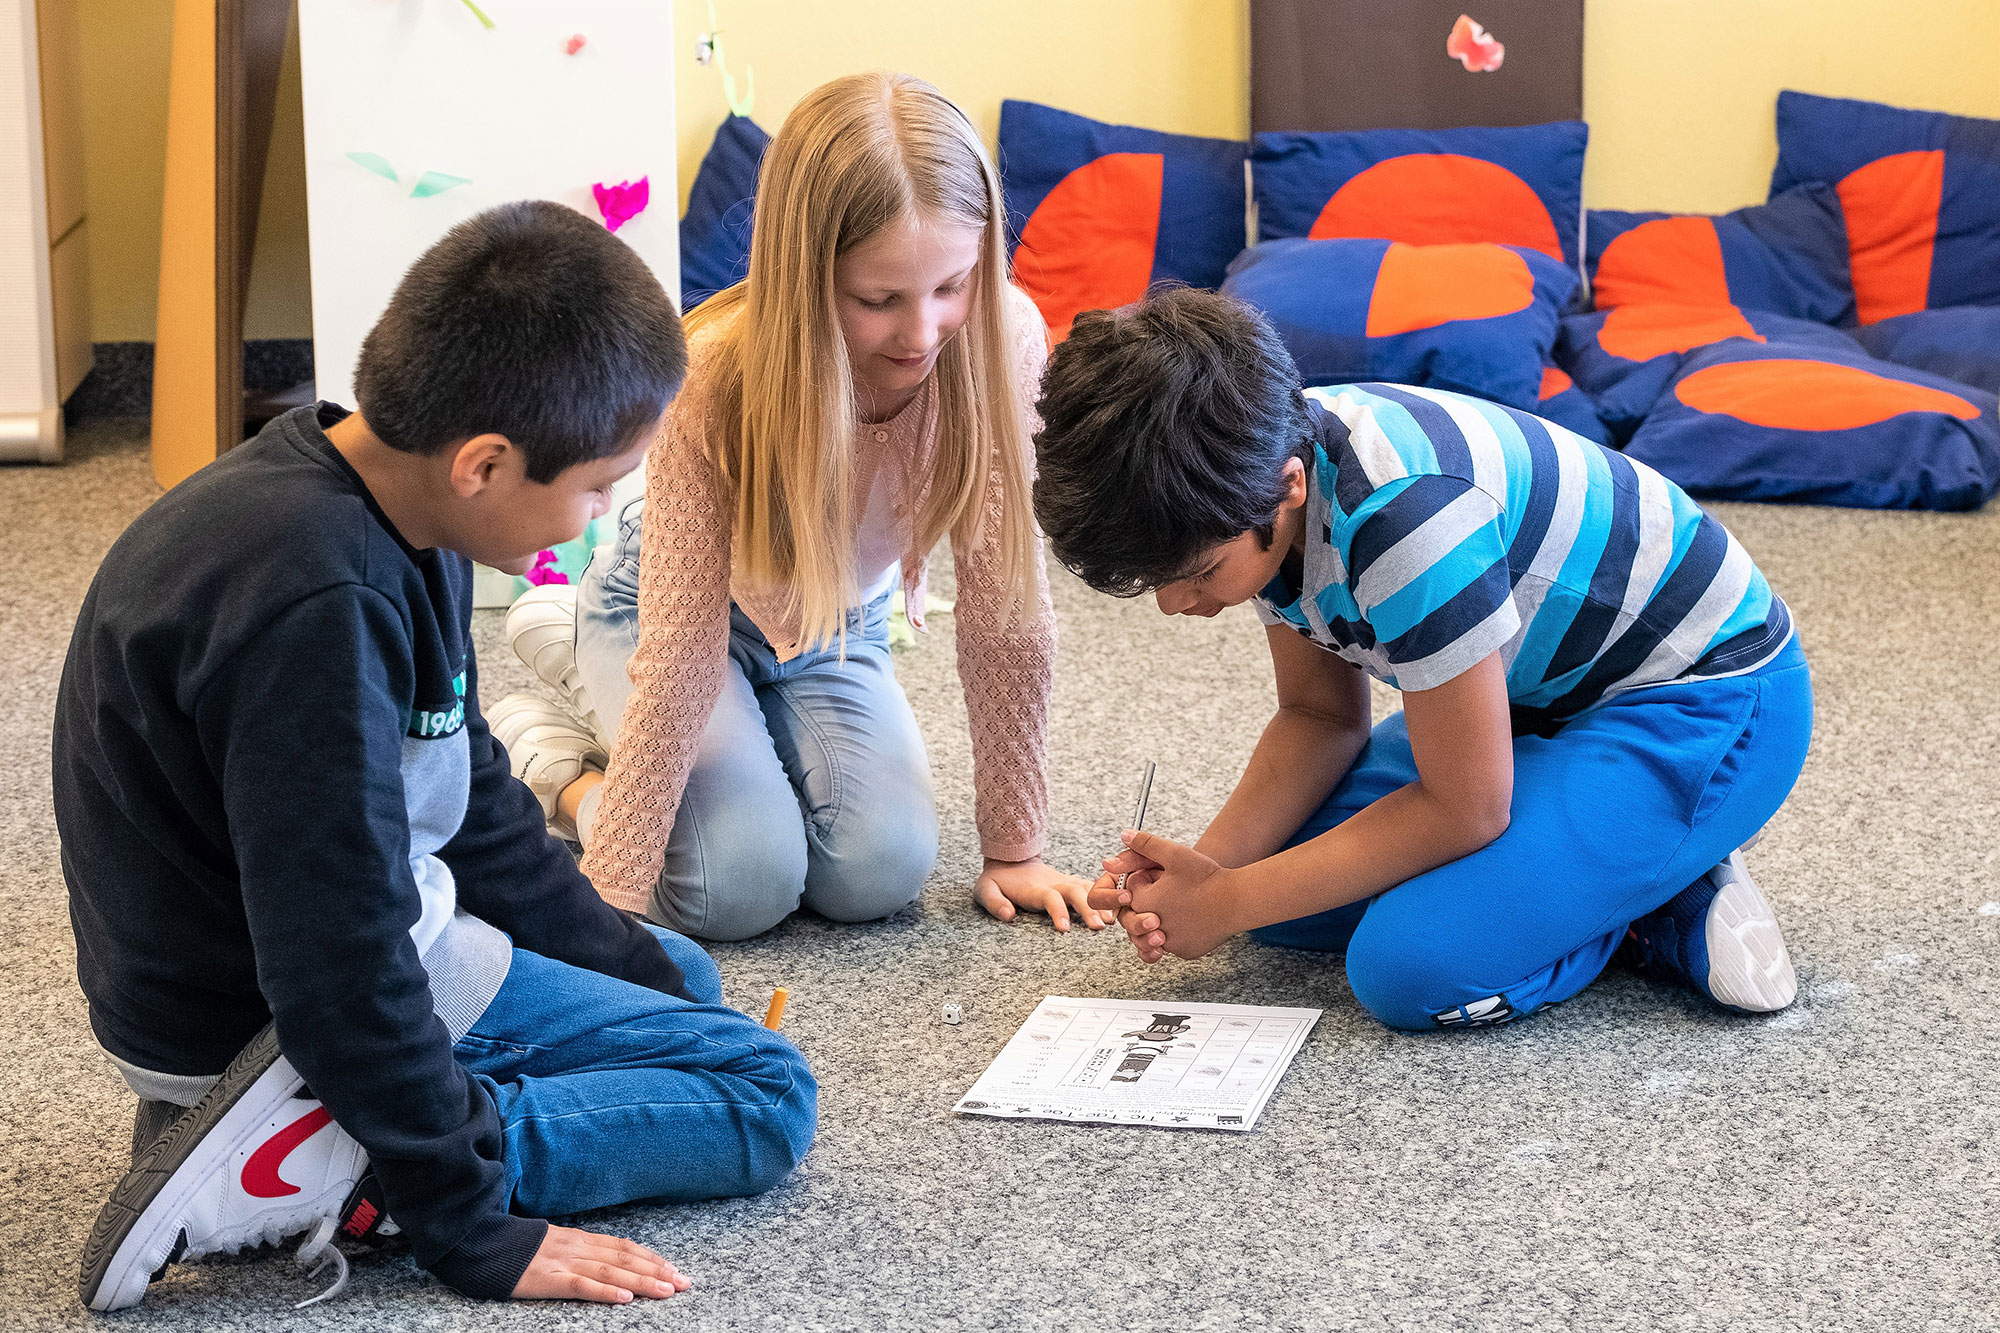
<point x="1612" y="815"/>
<point x="609" y="1092"/>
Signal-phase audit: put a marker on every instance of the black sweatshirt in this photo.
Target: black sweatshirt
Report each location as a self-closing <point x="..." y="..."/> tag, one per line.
<point x="257" y="660"/>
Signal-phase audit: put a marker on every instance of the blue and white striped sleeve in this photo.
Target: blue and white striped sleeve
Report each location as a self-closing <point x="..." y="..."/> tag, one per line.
<point x="1428" y="572"/>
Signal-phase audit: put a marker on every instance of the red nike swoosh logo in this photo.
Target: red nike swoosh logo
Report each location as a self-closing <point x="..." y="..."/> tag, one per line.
<point x="260" y="1173"/>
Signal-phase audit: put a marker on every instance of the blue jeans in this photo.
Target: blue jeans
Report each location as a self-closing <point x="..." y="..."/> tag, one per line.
<point x="1614" y="814"/>
<point x="810" y="784"/>
<point x="609" y="1092"/>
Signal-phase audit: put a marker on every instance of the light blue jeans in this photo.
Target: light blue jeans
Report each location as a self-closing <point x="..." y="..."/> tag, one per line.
<point x="810" y="784"/>
<point x="609" y="1092"/>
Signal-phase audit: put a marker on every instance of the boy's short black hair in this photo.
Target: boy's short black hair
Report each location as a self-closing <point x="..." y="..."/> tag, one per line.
<point x="1165" y="430"/>
<point x="529" y="321"/>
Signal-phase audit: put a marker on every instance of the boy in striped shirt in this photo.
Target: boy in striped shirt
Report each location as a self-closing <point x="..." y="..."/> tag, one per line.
<point x="1603" y="700"/>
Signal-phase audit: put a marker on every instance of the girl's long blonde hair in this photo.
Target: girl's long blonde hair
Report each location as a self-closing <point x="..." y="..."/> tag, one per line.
<point x="854" y="156"/>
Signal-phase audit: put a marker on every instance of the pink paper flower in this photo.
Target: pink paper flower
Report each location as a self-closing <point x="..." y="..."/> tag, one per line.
<point x="545" y="571"/>
<point x="1473" y="47"/>
<point x="573" y="45"/>
<point x="622" y="202"/>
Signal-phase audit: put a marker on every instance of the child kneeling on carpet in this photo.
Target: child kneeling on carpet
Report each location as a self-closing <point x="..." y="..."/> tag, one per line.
<point x="862" y="395"/>
<point x="1603" y="700"/>
<point x="312" y="906"/>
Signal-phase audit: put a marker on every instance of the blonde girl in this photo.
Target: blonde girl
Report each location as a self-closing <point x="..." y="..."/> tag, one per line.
<point x="865" y="393"/>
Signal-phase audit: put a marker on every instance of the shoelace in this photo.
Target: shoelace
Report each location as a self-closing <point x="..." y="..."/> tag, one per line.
<point x="319" y="1251"/>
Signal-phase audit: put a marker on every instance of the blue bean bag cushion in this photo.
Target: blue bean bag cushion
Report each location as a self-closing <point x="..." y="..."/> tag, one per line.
<point x="1625" y="358"/>
<point x="1744" y="422"/>
<point x="1521" y="186"/>
<point x="1920" y="190"/>
<point x="1788" y="257"/>
<point x="1101" y="212"/>
<point x="1475" y="318"/>
<point x="715" y="230"/>
<point x="1568" y="406"/>
<point x="1958" y="342"/>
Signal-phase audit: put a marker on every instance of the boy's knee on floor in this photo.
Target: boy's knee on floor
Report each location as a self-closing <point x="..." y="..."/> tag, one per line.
<point x="783" y="1137"/>
<point x="1400" y="981"/>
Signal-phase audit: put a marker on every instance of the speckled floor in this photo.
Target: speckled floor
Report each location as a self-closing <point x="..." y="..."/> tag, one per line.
<point x="1630" y="1160"/>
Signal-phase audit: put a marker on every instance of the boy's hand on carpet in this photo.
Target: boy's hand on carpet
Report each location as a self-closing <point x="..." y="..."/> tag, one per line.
<point x="1183" y="903"/>
<point x="1039" y="887"/>
<point x="575" y="1265"/>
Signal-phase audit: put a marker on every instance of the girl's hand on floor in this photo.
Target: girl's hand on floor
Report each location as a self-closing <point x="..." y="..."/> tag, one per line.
<point x="575" y="1265"/>
<point x="1038" y="887"/>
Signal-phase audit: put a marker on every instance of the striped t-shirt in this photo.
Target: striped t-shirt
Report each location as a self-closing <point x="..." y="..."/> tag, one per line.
<point x="1441" y="529"/>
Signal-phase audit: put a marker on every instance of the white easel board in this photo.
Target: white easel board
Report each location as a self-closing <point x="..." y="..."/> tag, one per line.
<point x="1142" y="1062"/>
<point x="424" y="89"/>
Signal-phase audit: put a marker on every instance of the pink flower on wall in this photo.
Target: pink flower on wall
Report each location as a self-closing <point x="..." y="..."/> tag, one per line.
<point x="1473" y="47"/>
<point x="574" y="44"/>
<point x="545" y="571"/>
<point x="622" y="202"/>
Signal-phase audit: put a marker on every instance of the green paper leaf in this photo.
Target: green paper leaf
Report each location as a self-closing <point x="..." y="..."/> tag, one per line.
<point x="374" y="162"/>
<point x="437" y="182"/>
<point x="479" y="14"/>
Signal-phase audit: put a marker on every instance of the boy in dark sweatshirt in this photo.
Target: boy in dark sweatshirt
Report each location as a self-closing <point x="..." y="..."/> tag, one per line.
<point x="323" y="933"/>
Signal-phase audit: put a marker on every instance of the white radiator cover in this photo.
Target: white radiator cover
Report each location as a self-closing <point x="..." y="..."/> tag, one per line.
<point x="30" y="402"/>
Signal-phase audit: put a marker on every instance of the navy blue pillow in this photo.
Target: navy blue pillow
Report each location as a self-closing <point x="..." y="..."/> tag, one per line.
<point x="1744" y="422"/>
<point x="1960" y="341"/>
<point x="1478" y="319"/>
<point x="715" y="231"/>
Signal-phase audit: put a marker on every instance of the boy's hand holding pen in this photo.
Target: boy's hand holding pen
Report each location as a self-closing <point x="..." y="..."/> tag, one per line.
<point x="1152" y="875"/>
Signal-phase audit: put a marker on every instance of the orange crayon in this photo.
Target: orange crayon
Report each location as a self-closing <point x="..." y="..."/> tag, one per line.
<point x="776" y="1013"/>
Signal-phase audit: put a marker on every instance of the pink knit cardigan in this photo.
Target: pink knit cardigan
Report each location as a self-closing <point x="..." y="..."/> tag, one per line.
<point x="685" y="590"/>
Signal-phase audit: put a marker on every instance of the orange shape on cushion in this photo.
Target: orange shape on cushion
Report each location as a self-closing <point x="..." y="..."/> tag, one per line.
<point x="1678" y="260"/>
<point x="1892" y="214"/>
<point x="1439" y="199"/>
<point x="1642" y="332"/>
<point x="1089" y="244"/>
<point x="1554" y="381"/>
<point x="1422" y="286"/>
<point x="1787" y="394"/>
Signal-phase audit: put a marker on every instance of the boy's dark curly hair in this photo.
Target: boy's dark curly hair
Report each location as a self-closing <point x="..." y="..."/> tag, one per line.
<point x="1166" y="427"/>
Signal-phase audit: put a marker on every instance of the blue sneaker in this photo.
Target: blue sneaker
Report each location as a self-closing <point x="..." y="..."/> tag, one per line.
<point x="1719" y="936"/>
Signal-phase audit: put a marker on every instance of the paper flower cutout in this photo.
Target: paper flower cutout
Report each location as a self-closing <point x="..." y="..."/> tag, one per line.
<point x="574" y="44"/>
<point x="622" y="202"/>
<point x="436" y="182"/>
<point x="374" y="162"/>
<point x="1473" y="47"/>
<point x="545" y="571"/>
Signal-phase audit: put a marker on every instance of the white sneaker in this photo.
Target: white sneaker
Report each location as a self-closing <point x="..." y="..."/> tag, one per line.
<point x="541" y="629"/>
<point x="256" y="1160"/>
<point x="1748" y="965"/>
<point x="547" y="749"/>
<point x="1720" y="936"/>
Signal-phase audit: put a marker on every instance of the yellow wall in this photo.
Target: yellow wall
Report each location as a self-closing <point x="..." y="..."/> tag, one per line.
<point x="1679" y="94"/>
<point x="1176" y="65"/>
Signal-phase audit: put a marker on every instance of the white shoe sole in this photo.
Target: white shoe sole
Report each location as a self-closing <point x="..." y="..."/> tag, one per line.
<point x="140" y="1226"/>
<point x="1748" y="965"/>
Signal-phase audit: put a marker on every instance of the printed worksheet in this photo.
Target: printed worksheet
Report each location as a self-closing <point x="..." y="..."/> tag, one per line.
<point x="1129" y="1062"/>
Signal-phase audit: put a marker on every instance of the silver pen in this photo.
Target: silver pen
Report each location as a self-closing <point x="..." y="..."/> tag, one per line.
<point x="1145" y="794"/>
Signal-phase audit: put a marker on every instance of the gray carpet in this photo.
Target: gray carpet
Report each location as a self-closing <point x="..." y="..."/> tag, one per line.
<point x="1629" y="1160"/>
